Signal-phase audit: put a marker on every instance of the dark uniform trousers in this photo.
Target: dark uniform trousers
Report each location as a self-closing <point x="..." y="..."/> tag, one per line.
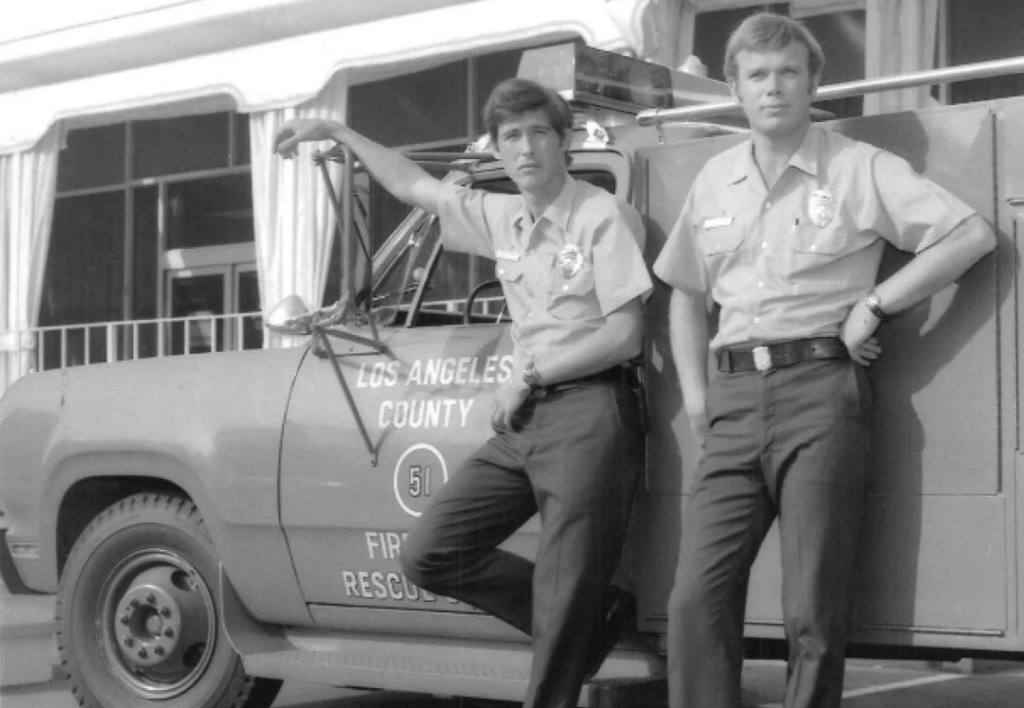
<point x="574" y="457"/>
<point x="792" y="443"/>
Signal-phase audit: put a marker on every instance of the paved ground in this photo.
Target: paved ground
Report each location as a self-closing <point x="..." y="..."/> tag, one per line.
<point x="27" y="654"/>
<point x="29" y="677"/>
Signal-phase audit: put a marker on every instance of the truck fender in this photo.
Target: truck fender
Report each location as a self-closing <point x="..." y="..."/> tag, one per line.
<point x="246" y="635"/>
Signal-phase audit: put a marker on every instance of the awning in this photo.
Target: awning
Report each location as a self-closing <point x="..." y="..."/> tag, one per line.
<point x="289" y="71"/>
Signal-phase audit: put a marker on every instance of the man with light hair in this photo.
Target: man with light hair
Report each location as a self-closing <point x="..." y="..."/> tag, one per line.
<point x="785" y="232"/>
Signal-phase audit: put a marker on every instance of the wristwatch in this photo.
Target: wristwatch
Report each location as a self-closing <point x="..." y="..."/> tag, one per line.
<point x="531" y="377"/>
<point x="874" y="304"/>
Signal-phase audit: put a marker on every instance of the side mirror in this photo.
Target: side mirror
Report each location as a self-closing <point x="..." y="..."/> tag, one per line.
<point x="293" y="316"/>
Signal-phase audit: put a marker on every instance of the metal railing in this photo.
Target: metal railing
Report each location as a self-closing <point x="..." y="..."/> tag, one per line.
<point x="62" y="346"/>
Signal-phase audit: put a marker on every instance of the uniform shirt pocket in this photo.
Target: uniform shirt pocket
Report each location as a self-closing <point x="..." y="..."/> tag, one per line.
<point x="812" y="248"/>
<point x="573" y="298"/>
<point x="827" y="240"/>
<point x="509" y="270"/>
<point x="722" y="240"/>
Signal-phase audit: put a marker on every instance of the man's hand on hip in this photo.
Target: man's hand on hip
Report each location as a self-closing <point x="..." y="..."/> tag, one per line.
<point x="856" y="332"/>
<point x="508" y="399"/>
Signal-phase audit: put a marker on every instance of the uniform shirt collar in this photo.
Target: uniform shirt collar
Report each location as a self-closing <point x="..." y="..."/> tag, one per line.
<point x="558" y="212"/>
<point x="805" y="158"/>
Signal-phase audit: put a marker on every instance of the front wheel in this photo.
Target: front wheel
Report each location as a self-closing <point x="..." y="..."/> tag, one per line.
<point x="138" y="620"/>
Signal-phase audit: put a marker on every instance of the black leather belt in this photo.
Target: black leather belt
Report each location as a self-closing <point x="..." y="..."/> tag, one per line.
<point x="616" y="374"/>
<point x="781" y="354"/>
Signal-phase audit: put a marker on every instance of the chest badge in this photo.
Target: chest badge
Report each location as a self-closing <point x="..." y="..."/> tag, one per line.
<point x="570" y="260"/>
<point x="821" y="207"/>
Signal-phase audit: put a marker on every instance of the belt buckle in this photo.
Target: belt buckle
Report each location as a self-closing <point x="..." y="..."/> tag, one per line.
<point x="762" y="358"/>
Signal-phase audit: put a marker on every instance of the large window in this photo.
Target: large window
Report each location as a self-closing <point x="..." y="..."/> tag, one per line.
<point x="84" y="280"/>
<point x="712" y="29"/>
<point x="436" y="109"/>
<point x="841" y="35"/>
<point x="424" y="107"/>
<point x="984" y="30"/>
<point x="970" y="31"/>
<point x="148" y="211"/>
<point x="210" y="211"/>
<point x="130" y="194"/>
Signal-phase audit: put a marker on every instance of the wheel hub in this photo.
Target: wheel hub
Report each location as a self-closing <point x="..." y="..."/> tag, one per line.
<point x="160" y="623"/>
<point x="148" y="628"/>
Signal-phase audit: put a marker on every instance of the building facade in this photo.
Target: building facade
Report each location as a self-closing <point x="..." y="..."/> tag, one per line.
<point x="137" y="184"/>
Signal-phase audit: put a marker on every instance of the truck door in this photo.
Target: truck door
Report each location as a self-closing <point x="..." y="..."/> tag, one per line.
<point x="425" y="403"/>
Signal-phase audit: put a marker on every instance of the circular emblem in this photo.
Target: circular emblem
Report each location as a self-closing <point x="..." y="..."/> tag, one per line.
<point x="821" y="207"/>
<point x="570" y="260"/>
<point x="419" y="474"/>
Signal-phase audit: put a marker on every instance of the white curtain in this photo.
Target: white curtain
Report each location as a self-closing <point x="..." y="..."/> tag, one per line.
<point x="28" y="181"/>
<point x="292" y="213"/>
<point x="901" y="37"/>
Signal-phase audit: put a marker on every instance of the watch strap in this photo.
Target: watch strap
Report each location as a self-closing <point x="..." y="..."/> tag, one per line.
<point x="874" y="304"/>
<point x="531" y="377"/>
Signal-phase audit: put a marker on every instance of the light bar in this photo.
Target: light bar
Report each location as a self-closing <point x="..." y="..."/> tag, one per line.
<point x="583" y="74"/>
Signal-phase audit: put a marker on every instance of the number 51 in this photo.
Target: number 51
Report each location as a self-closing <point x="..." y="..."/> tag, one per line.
<point x="419" y="480"/>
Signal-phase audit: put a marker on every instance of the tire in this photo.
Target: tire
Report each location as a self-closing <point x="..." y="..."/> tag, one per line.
<point x="138" y="614"/>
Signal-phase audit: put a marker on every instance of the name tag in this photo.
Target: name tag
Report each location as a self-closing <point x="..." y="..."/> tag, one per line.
<point x="717" y="222"/>
<point x="507" y="255"/>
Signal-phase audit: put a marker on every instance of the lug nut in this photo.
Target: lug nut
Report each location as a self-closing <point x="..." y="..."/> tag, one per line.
<point x="159" y="651"/>
<point x="134" y="602"/>
<point x="129" y="642"/>
<point x="151" y="598"/>
<point x="165" y="611"/>
<point x="124" y="619"/>
<point x="168" y="632"/>
<point x="143" y="653"/>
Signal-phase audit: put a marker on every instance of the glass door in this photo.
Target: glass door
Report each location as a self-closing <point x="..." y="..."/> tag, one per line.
<point x="246" y="295"/>
<point x="204" y="295"/>
<point x="200" y="294"/>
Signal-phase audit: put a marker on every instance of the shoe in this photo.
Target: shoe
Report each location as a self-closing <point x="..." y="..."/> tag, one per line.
<point x="619" y="618"/>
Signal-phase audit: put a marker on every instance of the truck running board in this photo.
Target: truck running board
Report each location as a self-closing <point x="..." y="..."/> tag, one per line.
<point x="487" y="670"/>
<point x="439" y="666"/>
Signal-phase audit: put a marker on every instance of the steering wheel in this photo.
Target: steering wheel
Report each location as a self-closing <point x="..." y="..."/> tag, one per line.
<point x="467" y="314"/>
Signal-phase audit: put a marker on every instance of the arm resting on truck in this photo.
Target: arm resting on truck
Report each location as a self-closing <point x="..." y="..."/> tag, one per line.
<point x="406" y="180"/>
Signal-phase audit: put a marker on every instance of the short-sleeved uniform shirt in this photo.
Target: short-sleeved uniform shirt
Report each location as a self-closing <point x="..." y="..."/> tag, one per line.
<point x="789" y="263"/>
<point x="562" y="274"/>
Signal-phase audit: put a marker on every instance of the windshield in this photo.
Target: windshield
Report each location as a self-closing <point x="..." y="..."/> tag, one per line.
<point x="396" y="289"/>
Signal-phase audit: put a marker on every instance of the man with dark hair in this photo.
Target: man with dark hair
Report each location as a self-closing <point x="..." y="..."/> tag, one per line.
<point x="517" y="96"/>
<point x="785" y="233"/>
<point x="567" y="441"/>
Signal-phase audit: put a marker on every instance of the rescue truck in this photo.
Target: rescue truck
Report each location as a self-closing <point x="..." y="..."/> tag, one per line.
<point x="214" y="524"/>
